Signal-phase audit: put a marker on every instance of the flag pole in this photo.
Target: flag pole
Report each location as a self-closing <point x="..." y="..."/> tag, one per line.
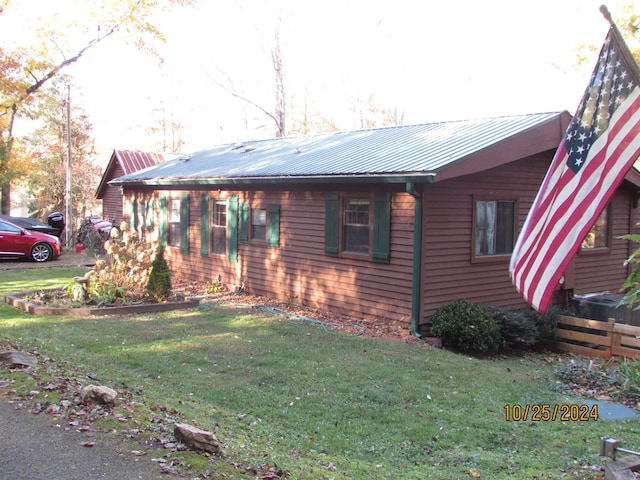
<point x="624" y="50"/>
<point x="605" y="12"/>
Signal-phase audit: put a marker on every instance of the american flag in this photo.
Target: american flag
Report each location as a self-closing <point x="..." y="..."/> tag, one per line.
<point x="599" y="147"/>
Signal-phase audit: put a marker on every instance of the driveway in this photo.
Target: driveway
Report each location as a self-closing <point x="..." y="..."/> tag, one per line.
<point x="40" y="447"/>
<point x="67" y="259"/>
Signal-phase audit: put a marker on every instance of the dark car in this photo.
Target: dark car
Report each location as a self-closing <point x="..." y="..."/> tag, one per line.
<point x="19" y="242"/>
<point x="35" y="225"/>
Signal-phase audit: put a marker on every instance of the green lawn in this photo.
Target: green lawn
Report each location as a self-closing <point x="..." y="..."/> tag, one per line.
<point x="318" y="404"/>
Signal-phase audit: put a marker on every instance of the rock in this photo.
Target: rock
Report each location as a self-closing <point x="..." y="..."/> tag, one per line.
<point x="98" y="395"/>
<point x="197" y="439"/>
<point x="21" y="359"/>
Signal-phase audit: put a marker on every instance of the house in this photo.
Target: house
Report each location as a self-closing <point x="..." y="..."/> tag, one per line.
<point x="122" y="162"/>
<point x="388" y="223"/>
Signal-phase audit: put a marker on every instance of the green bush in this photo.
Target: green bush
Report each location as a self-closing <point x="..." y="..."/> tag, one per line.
<point x="525" y="328"/>
<point x="159" y="284"/>
<point x="467" y="327"/>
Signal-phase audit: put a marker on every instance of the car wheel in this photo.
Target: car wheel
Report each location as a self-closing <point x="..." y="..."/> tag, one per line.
<point x="41" y="252"/>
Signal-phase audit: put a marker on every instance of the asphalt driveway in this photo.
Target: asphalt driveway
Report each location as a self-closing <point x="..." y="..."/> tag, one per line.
<point x="40" y="447"/>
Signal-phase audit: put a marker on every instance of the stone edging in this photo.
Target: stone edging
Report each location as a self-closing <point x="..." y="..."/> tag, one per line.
<point x="16" y="300"/>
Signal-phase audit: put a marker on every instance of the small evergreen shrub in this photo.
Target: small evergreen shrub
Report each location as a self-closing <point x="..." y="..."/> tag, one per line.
<point x="518" y="328"/>
<point x="467" y="327"/>
<point x="159" y="284"/>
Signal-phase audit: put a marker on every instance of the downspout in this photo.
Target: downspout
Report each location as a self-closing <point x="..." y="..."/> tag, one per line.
<point x="417" y="259"/>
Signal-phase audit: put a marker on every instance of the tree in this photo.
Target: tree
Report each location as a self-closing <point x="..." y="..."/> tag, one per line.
<point x="47" y="148"/>
<point x="24" y="70"/>
<point x="278" y="114"/>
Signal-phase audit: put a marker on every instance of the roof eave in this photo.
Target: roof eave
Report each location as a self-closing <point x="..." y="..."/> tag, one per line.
<point x="421" y="177"/>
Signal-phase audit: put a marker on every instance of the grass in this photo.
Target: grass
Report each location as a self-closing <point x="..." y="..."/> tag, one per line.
<point x="322" y="405"/>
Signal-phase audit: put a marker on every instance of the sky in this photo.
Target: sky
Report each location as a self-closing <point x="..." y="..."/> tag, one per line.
<point x="432" y="61"/>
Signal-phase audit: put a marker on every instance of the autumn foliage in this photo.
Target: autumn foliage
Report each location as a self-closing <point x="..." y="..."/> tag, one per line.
<point x="123" y="276"/>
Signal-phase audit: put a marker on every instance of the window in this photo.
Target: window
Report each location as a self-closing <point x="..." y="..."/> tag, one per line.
<point x="358" y="224"/>
<point x="258" y="224"/>
<point x="598" y="236"/>
<point x="494" y="227"/>
<point x="174" y="223"/>
<point x="219" y="228"/>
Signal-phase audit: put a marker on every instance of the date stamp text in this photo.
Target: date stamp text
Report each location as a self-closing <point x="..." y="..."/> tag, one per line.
<point x="565" y="412"/>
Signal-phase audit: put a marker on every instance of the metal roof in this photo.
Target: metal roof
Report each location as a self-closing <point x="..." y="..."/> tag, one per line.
<point x="416" y="151"/>
<point x="131" y="161"/>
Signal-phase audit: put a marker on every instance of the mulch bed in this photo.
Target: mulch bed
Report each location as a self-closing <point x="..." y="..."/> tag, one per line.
<point x="370" y="328"/>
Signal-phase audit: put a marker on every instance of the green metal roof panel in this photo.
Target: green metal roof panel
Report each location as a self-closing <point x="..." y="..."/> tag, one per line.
<point x="391" y="151"/>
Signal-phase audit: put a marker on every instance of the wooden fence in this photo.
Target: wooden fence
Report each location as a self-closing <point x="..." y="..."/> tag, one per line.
<point x="593" y="338"/>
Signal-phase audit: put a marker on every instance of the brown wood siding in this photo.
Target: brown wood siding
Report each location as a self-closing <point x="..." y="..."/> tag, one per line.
<point x="112" y="200"/>
<point x="450" y="272"/>
<point x="299" y="270"/>
<point x="603" y="270"/>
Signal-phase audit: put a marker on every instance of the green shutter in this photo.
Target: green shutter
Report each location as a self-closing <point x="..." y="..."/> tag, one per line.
<point x="184" y="222"/>
<point x="273" y="225"/>
<point x="381" y="227"/>
<point x="150" y="215"/>
<point x="232" y="228"/>
<point x="133" y="214"/>
<point x="243" y="226"/>
<point x="162" y="220"/>
<point x="204" y="224"/>
<point x="332" y="224"/>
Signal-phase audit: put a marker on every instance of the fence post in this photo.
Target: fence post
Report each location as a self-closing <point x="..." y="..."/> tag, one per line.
<point x="612" y="337"/>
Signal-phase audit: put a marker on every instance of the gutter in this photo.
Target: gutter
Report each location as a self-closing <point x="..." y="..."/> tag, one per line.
<point x="274" y="180"/>
<point x="416" y="287"/>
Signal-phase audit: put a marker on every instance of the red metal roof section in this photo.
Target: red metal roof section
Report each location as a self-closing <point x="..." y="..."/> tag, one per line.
<point x="132" y="161"/>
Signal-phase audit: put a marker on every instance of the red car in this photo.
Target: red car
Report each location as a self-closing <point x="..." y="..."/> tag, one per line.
<point x="21" y="243"/>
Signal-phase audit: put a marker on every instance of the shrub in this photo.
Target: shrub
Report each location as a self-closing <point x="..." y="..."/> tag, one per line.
<point x="159" y="284"/>
<point x="526" y="328"/>
<point x="125" y="273"/>
<point x="630" y="372"/>
<point x="467" y="327"/>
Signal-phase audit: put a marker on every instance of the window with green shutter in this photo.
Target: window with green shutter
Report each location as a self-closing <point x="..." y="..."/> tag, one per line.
<point x="358" y="224"/>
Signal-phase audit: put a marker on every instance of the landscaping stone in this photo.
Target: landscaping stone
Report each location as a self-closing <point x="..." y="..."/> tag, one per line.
<point x="21" y="359"/>
<point x="197" y="439"/>
<point x="98" y="395"/>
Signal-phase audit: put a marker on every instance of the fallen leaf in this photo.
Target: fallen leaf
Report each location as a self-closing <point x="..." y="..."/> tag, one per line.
<point x="474" y="473"/>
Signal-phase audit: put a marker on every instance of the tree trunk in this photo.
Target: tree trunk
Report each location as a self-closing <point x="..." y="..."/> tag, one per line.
<point x="5" y="203"/>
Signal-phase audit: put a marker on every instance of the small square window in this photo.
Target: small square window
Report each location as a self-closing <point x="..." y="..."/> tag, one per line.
<point x="219" y="228"/>
<point x="174" y="223"/>
<point x="356" y="225"/>
<point x="494" y="227"/>
<point x="598" y="236"/>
